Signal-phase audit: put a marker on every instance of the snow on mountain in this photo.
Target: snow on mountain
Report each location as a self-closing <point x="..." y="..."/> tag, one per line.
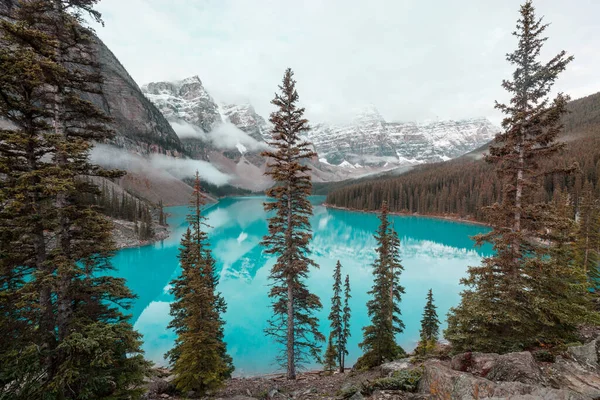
<point x="185" y="100"/>
<point x="202" y="124"/>
<point x="366" y="144"/>
<point x="370" y="140"/>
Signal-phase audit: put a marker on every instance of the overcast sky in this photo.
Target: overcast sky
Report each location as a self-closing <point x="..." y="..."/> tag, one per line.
<point x="412" y="59"/>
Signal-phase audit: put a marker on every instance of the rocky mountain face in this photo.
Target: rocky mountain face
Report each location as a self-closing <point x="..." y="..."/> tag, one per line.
<point x="138" y="124"/>
<point x="366" y="145"/>
<point x="370" y="140"/>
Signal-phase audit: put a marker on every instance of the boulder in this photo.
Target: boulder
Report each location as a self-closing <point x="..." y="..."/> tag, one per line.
<point x="516" y="367"/>
<point x="511" y="367"/>
<point x="393" y="366"/>
<point x="575" y="377"/>
<point x="441" y="382"/>
<point x="476" y="363"/>
<point x="586" y="355"/>
<point x="357" y="396"/>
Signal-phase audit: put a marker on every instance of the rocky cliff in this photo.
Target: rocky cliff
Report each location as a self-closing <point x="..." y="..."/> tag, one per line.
<point x="370" y="140"/>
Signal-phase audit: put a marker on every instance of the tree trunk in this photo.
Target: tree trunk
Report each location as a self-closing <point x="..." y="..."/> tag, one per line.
<point x="291" y="365"/>
<point x="291" y="362"/>
<point x="587" y="252"/>
<point x="518" y="204"/>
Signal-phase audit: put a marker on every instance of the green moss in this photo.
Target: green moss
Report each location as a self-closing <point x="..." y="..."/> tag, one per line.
<point x="404" y="380"/>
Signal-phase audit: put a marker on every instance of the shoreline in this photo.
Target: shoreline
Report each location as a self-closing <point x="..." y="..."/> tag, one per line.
<point x="449" y="217"/>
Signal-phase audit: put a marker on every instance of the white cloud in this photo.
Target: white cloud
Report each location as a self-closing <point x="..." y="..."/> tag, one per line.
<point x="186" y="130"/>
<point x="112" y="157"/>
<point x="413" y="59"/>
<point x="228" y="136"/>
<point x="224" y="136"/>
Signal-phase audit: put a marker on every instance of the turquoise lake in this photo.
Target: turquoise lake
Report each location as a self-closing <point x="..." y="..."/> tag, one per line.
<point x="435" y="254"/>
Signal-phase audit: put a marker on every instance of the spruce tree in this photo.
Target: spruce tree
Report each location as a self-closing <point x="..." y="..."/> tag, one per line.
<point x="343" y="343"/>
<point x="523" y="294"/>
<point x="199" y="357"/>
<point x="379" y="338"/>
<point x="293" y="324"/>
<point x="430" y="326"/>
<point x="72" y="339"/>
<point x="331" y="355"/>
<point x="340" y="317"/>
<point x="335" y="315"/>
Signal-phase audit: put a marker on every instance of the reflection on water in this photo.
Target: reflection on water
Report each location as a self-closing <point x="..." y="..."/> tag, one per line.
<point x="436" y="254"/>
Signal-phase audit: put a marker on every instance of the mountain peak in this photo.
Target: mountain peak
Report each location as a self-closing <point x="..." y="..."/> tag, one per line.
<point x="191" y="80"/>
<point x="368" y="114"/>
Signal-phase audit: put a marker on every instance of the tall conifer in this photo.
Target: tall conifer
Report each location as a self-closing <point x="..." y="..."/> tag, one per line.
<point x="379" y="338"/>
<point x="72" y="339"/>
<point x="293" y="323"/>
<point x="331" y="355"/>
<point x="199" y="358"/>
<point x="340" y="317"/>
<point x="513" y="299"/>
<point x="343" y="344"/>
<point x="430" y="327"/>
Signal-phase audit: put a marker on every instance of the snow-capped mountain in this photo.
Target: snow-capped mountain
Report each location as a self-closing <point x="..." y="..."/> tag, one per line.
<point x="231" y="136"/>
<point x="188" y="106"/>
<point x="370" y="140"/>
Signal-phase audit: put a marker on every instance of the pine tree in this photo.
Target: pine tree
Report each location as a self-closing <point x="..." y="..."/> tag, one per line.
<point x="71" y="338"/>
<point x="379" y="338"/>
<point x="430" y="326"/>
<point x="293" y="323"/>
<point x="199" y="358"/>
<point x="331" y="355"/>
<point x="512" y="299"/>
<point x="343" y="343"/>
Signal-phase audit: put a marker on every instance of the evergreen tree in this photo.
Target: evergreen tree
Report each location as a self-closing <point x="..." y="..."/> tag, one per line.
<point x="524" y="294"/>
<point x="379" y="338"/>
<point x="331" y="355"/>
<point x="340" y="317"/>
<point x="430" y="326"/>
<point x="335" y="315"/>
<point x="587" y="243"/>
<point x="343" y="343"/>
<point x="293" y="323"/>
<point x="199" y="358"/>
<point x="71" y="338"/>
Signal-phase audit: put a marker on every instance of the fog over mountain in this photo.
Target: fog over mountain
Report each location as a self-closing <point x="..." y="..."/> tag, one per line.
<point x="413" y="60"/>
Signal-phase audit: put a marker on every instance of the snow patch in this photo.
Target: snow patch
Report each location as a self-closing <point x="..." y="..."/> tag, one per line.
<point x="241" y="148"/>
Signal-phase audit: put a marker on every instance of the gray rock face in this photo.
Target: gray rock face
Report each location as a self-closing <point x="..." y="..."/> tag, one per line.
<point x="185" y="100"/>
<point x="245" y="117"/>
<point x="516" y="367"/>
<point x="476" y="363"/>
<point x="398" y="365"/>
<point x="370" y="140"/>
<point x="138" y="124"/>
<point x="586" y="354"/>
<point x="441" y="382"/>
<point x="516" y="375"/>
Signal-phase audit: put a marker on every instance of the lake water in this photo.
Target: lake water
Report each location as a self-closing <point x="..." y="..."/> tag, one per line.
<point x="435" y="253"/>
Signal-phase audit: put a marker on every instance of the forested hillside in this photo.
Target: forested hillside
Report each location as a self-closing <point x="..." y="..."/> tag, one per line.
<point x="461" y="187"/>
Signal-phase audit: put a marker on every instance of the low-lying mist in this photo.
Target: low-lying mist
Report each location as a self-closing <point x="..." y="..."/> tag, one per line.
<point x="112" y="157"/>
